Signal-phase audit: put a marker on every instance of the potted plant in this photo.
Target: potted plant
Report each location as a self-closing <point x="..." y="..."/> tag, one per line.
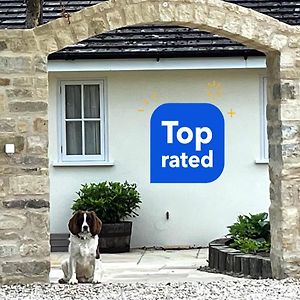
<point x="113" y="202"/>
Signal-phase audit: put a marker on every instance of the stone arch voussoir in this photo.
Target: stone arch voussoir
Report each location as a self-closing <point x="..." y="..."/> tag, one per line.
<point x="244" y="25"/>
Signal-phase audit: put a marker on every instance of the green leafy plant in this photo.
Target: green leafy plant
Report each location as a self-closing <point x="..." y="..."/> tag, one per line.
<point x="111" y="201"/>
<point x="251" y="234"/>
<point x="247" y="245"/>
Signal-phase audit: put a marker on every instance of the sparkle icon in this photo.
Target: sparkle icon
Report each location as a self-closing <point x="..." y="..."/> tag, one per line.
<point x="231" y="113"/>
<point x="214" y="89"/>
<point x="153" y="97"/>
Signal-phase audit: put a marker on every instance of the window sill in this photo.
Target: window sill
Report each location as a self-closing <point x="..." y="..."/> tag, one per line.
<point x="83" y="164"/>
<point x="261" y="161"/>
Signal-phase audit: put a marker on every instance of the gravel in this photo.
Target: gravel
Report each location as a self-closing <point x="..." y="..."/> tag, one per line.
<point x="227" y="289"/>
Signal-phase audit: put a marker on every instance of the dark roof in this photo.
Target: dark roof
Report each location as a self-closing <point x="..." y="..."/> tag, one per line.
<point x="148" y="40"/>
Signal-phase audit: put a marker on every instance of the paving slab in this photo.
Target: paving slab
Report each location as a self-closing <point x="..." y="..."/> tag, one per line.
<point x="148" y="265"/>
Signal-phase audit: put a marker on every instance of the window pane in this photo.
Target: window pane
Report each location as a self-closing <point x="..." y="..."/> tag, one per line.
<point x="74" y="138"/>
<point x="92" y="138"/>
<point x="73" y="101"/>
<point x="91" y="101"/>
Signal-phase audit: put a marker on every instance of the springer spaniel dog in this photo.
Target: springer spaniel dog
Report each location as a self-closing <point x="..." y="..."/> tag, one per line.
<point x="84" y="263"/>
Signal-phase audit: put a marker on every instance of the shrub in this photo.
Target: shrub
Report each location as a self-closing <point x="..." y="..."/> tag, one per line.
<point x="247" y="245"/>
<point x="251" y="234"/>
<point x="111" y="201"/>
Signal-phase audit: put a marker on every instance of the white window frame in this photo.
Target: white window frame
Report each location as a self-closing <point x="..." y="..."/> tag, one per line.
<point x="82" y="159"/>
<point x="264" y="147"/>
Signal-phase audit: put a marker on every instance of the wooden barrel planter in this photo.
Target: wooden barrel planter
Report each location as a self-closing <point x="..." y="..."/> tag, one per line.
<point x="115" y="237"/>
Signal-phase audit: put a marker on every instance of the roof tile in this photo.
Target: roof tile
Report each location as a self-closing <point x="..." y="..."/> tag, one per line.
<point x="148" y="40"/>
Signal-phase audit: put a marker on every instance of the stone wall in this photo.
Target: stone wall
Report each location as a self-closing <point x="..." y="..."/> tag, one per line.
<point x="24" y="223"/>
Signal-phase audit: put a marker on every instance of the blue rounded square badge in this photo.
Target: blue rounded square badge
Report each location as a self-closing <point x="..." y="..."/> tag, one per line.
<point x="186" y="143"/>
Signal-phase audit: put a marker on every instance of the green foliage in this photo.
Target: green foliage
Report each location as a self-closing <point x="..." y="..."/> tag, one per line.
<point x="111" y="201"/>
<point x="253" y="226"/>
<point x="251" y="234"/>
<point x="247" y="245"/>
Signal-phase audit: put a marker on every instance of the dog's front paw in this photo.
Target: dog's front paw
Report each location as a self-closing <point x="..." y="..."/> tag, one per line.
<point x="73" y="281"/>
<point x="63" y="280"/>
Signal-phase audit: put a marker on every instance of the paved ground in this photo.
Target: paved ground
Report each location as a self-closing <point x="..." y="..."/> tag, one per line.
<point x="152" y="275"/>
<point x="148" y="266"/>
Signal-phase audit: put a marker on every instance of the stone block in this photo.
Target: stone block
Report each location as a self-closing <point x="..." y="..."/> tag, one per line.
<point x="80" y="32"/>
<point x="23" y="81"/>
<point x="7" y="125"/>
<point x="289" y="90"/>
<point x="13" y="279"/>
<point x="28" y="185"/>
<point x="294" y="42"/>
<point x="133" y="14"/>
<point x="8" y="250"/>
<point x="2" y="103"/>
<point x="278" y="41"/>
<point x="291" y="151"/>
<point x="19" y="64"/>
<point x="115" y="19"/>
<point x="27" y="106"/>
<point x="166" y="11"/>
<point x="9" y="236"/>
<point x="12" y="221"/>
<point x="272" y="112"/>
<point x="40" y="63"/>
<point x="64" y="37"/>
<point x="289" y="131"/>
<point x="41" y="81"/>
<point x="30" y="268"/>
<point x="38" y="225"/>
<point x="184" y="12"/>
<point x="97" y="26"/>
<point x="201" y="12"/>
<point x="37" y="144"/>
<point x="40" y="125"/>
<point x="3" y="45"/>
<point x="47" y="45"/>
<point x="4" y="81"/>
<point x="19" y="93"/>
<point x="26" y="203"/>
<point x="23" y="126"/>
<point x="41" y="94"/>
<point x="30" y="248"/>
<point x="31" y="160"/>
<point x="3" y="186"/>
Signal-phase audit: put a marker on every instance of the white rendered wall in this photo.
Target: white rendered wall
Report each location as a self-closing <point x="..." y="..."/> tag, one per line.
<point x="198" y="212"/>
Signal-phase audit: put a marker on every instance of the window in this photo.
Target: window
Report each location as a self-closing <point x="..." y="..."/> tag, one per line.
<point x="83" y="127"/>
<point x="264" y="152"/>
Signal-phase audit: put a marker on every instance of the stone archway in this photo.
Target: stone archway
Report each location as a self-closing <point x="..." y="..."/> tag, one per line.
<point x="24" y="224"/>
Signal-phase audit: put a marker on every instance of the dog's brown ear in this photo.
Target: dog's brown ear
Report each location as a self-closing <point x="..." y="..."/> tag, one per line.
<point x="96" y="224"/>
<point x="73" y="223"/>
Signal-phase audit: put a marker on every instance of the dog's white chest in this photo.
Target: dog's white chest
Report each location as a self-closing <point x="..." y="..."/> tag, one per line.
<point x="83" y="248"/>
<point x="85" y="251"/>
